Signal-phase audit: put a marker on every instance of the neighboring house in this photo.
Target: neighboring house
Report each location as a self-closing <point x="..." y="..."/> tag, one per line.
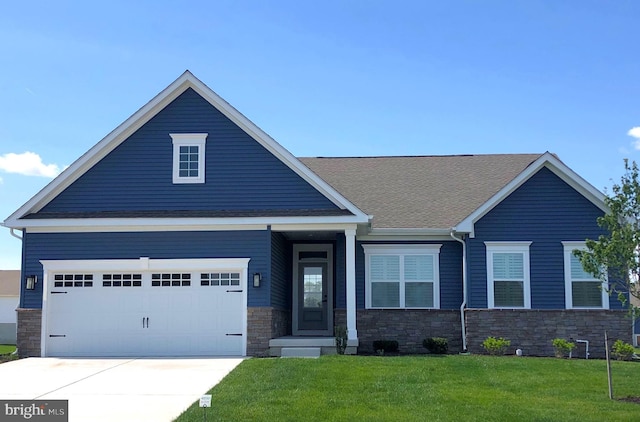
<point x="9" y="299"/>
<point x="189" y="231"/>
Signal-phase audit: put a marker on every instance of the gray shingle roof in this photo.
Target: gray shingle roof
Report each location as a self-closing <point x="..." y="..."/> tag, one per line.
<point x="433" y="192"/>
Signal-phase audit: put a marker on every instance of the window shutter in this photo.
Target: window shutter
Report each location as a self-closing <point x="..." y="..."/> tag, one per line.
<point x="577" y="271"/>
<point x="508" y="266"/>
<point x="385" y="267"/>
<point x="418" y="267"/>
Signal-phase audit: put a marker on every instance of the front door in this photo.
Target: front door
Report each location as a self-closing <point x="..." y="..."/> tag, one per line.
<point x="313" y="290"/>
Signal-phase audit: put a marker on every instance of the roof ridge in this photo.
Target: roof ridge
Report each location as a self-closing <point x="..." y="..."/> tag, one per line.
<point x="427" y="155"/>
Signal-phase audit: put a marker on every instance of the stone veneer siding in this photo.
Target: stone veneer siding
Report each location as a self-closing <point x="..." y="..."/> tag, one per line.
<point x="408" y="326"/>
<point x="263" y="324"/>
<point x="533" y="330"/>
<point x="29" y="331"/>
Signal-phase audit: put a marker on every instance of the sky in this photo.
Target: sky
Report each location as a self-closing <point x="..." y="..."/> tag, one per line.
<point x="330" y="78"/>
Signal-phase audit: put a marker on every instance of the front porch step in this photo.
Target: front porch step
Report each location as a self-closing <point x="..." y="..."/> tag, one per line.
<point x="302" y="346"/>
<point x="300" y="352"/>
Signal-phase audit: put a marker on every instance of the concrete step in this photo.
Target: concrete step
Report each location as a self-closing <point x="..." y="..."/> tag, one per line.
<point x="300" y="352"/>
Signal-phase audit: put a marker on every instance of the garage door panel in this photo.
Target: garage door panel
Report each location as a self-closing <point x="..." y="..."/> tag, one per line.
<point x="178" y="317"/>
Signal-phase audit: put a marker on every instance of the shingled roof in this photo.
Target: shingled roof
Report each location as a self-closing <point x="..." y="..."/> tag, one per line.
<point x="431" y="192"/>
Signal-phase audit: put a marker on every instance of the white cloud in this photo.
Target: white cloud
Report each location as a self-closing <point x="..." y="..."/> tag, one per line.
<point x="634" y="132"/>
<point x="28" y="164"/>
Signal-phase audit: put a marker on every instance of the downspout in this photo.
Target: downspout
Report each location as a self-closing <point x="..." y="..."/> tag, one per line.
<point x="11" y="230"/>
<point x="464" y="289"/>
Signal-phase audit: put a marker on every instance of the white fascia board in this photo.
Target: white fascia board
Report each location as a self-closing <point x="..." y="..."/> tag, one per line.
<point x="145" y="264"/>
<point x="191" y="224"/>
<point x="399" y="234"/>
<point x="549" y="161"/>
<point x="313" y="227"/>
<point x="142" y="116"/>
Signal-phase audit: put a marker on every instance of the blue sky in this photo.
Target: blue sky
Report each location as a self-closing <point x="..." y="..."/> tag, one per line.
<point x="331" y="78"/>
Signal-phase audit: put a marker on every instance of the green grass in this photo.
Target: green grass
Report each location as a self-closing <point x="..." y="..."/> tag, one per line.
<point x="6" y="349"/>
<point x="419" y="388"/>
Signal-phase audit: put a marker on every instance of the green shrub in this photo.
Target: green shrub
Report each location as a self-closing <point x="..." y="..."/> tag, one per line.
<point x="385" y="346"/>
<point x="340" y="331"/>
<point x="496" y="346"/>
<point x="436" y="345"/>
<point x="622" y="350"/>
<point x="562" y="347"/>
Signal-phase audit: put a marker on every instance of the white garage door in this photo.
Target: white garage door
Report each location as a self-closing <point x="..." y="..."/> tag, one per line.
<point x="145" y="308"/>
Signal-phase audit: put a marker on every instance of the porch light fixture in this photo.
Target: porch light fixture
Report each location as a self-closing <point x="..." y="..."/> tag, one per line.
<point x="257" y="278"/>
<point x="31" y="282"/>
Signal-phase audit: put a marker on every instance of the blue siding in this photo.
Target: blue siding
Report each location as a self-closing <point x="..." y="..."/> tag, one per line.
<point x="545" y="211"/>
<point x="240" y="173"/>
<point x="450" y="273"/>
<point x="158" y="245"/>
<point x="281" y="288"/>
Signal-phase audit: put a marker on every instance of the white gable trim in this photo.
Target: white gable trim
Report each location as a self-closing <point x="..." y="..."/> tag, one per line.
<point x="70" y="225"/>
<point x="549" y="161"/>
<point x="138" y="119"/>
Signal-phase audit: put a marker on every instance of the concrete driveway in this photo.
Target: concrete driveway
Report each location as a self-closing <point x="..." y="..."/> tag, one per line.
<point x="119" y="389"/>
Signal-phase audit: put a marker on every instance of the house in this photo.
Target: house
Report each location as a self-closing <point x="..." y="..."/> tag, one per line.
<point x="189" y="231"/>
<point x="9" y="297"/>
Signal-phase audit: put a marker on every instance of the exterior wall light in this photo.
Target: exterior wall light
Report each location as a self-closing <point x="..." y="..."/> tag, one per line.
<point x="257" y="278"/>
<point x="31" y="281"/>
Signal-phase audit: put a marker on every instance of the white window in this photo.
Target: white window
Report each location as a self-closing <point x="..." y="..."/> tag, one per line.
<point x="188" y="157"/>
<point x="582" y="290"/>
<point x="508" y="279"/>
<point x="402" y="276"/>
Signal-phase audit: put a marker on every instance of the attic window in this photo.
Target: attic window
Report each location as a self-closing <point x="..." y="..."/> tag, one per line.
<point x="188" y="157"/>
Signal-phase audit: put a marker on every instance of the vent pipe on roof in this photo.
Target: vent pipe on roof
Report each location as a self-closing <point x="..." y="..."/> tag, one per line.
<point x="464" y="289"/>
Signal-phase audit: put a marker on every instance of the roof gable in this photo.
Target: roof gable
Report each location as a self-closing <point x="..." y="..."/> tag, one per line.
<point x="552" y="163"/>
<point x="186" y="82"/>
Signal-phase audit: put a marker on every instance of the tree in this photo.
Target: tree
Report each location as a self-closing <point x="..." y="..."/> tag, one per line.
<point x="615" y="255"/>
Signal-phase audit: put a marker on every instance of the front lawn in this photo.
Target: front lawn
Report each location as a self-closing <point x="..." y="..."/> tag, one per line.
<point x="6" y="349"/>
<point x="419" y="388"/>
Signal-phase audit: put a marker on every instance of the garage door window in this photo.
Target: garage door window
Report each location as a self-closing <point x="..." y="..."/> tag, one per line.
<point x="122" y="280"/>
<point x="220" y="279"/>
<point x="170" y="280"/>
<point x="73" y="280"/>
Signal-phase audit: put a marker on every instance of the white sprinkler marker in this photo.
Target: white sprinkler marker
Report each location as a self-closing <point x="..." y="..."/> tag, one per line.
<point x="205" y="401"/>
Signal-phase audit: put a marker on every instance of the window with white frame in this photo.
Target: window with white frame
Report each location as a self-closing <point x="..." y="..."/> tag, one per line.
<point x="508" y="278"/>
<point x="582" y="289"/>
<point x="188" y="157"/>
<point x="402" y="276"/>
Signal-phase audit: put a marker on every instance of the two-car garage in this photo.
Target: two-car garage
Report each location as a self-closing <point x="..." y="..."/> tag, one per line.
<point x="145" y="307"/>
